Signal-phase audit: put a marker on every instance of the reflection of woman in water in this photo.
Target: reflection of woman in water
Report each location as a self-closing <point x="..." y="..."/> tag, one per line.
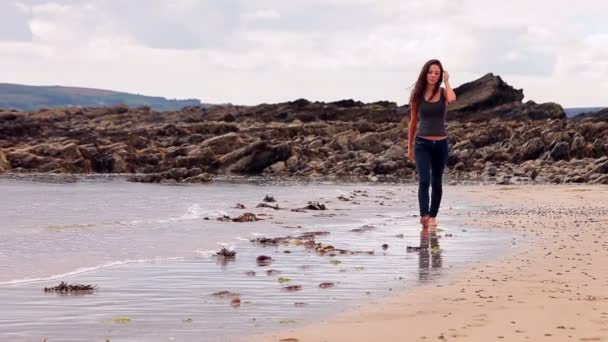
<point x="429" y="256"/>
<point x="427" y="130"/>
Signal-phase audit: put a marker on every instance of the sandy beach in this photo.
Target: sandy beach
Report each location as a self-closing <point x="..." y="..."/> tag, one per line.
<point x="551" y="286"/>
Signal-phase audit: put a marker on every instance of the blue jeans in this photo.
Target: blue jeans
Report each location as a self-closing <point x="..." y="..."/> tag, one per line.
<point x="431" y="158"/>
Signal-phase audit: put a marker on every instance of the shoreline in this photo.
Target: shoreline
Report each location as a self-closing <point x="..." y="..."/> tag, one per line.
<point x="313" y="179"/>
<point x="551" y="287"/>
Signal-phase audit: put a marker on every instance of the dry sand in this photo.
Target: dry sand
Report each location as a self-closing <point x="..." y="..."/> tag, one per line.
<point x="553" y="286"/>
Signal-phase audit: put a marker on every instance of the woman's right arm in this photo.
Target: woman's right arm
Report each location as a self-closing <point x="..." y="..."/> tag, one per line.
<point x="411" y="132"/>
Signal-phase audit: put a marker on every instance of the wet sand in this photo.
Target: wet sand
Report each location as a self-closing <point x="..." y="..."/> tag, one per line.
<point x="552" y="286"/>
<point x="150" y="252"/>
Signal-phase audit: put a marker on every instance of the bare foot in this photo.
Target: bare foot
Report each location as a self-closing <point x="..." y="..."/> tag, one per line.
<point x="432" y="222"/>
<point x="424" y="220"/>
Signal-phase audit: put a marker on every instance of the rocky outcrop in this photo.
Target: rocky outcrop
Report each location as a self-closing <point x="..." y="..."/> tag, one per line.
<point x="491" y="98"/>
<point x="494" y="137"/>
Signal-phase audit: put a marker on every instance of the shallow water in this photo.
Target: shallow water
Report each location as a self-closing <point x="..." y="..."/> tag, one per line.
<point x="150" y="251"/>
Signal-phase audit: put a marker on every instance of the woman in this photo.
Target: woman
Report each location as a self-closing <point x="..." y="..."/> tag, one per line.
<point x="428" y="132"/>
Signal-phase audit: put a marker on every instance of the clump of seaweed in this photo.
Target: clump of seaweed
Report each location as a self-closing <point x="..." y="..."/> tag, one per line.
<point x="65" y="288"/>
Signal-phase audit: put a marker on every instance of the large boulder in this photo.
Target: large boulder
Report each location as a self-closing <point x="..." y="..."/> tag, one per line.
<point x="369" y="142"/>
<point x="253" y="159"/>
<point x="486" y="92"/>
<point x="223" y="144"/>
<point x="490" y="98"/>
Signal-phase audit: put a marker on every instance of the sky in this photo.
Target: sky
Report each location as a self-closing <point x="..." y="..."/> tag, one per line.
<point x="266" y="51"/>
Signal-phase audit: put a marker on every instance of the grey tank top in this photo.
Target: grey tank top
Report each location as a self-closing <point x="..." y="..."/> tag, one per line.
<point x="431" y="117"/>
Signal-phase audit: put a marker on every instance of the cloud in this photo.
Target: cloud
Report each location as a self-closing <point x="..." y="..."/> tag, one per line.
<point x="245" y="51"/>
<point x="14" y="23"/>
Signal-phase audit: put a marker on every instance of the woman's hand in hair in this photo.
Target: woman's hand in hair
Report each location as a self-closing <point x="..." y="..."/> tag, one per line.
<point x="446" y="77"/>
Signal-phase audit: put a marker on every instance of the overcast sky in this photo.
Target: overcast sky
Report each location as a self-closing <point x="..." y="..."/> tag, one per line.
<point x="255" y="51"/>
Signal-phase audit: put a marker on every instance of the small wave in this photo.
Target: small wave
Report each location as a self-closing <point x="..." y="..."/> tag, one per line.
<point x="194" y="212"/>
<point x="206" y="252"/>
<point x="85" y="270"/>
<point x="68" y="226"/>
<point x="211" y="252"/>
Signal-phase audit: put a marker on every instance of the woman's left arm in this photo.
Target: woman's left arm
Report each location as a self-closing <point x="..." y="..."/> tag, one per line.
<point x="450" y="96"/>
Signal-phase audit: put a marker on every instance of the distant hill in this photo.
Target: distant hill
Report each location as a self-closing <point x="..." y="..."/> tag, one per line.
<point x="571" y="112"/>
<point x="28" y="98"/>
<point x="594" y="115"/>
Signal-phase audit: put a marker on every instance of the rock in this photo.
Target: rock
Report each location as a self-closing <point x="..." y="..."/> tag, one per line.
<point x="4" y="163"/>
<point x="278" y="167"/>
<point x="396" y="152"/>
<point x="488" y="91"/>
<point x="315" y="144"/>
<point x="503" y="180"/>
<point x="578" y="146"/>
<point x="326" y="285"/>
<point x="601" y="168"/>
<point x="531" y="150"/>
<point x="235" y="302"/>
<point x="200" y="178"/>
<point x="315" y="206"/>
<point x="224" y="294"/>
<point x="493" y="136"/>
<point x="603" y="179"/>
<point x="246" y="217"/>
<point x="342" y="141"/>
<point x="561" y="150"/>
<point x="254" y="158"/>
<point x="26" y="160"/>
<point x="223" y="144"/>
<point x="597" y="161"/>
<point x="292" y="288"/>
<point x="264" y="205"/>
<point x="292" y="162"/>
<point x="199" y="157"/>
<point x="264" y="260"/>
<point x="368" y="142"/>
<point x="226" y="253"/>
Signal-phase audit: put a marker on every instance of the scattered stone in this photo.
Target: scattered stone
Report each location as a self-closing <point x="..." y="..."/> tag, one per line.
<point x="326" y="285"/>
<point x="264" y="260"/>
<point x="224" y="294"/>
<point x="246" y="217"/>
<point x="315" y="206"/>
<point x="224" y="218"/>
<point x="264" y="205"/>
<point x="292" y="288"/>
<point x="224" y="252"/>
<point x="364" y="228"/>
<point x="272" y="272"/>
<point x="235" y="302"/>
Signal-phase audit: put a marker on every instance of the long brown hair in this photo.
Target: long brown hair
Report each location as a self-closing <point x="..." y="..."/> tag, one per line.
<point x="418" y="91"/>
